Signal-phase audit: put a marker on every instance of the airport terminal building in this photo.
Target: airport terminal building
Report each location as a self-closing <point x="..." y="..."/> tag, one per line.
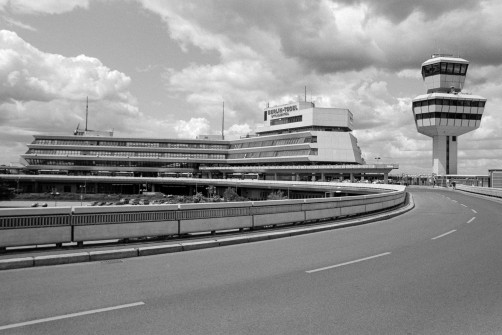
<point x="297" y="141"/>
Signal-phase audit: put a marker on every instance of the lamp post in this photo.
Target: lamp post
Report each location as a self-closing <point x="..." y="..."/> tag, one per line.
<point x="54" y="194"/>
<point x="82" y="187"/>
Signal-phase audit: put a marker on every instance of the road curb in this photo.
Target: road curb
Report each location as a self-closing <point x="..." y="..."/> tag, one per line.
<point x="101" y="255"/>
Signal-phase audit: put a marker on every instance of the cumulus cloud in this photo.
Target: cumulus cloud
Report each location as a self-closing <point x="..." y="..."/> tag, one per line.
<point x="29" y="74"/>
<point x="45" y="93"/>
<point x="348" y="52"/>
<point x="192" y="128"/>
<point x="42" y="6"/>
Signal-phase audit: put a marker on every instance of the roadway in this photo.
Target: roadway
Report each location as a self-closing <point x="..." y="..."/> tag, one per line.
<point x="434" y="270"/>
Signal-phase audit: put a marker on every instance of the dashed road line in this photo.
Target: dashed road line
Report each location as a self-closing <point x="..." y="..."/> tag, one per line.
<point x="474" y="218"/>
<point x="442" y="235"/>
<point x="347" y="263"/>
<point x="72" y="315"/>
<point x="474" y="211"/>
<point x="463" y="205"/>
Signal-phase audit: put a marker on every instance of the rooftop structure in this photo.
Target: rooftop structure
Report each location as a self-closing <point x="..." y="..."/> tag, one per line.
<point x="445" y="113"/>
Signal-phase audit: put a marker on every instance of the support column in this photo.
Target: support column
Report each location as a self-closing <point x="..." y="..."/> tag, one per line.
<point x="386" y="178"/>
<point x="351" y="177"/>
<point x="322" y="176"/>
<point x="444" y="154"/>
<point x="275" y="175"/>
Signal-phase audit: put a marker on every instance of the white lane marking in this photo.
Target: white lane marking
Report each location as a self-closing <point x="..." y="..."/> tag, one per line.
<point x="454" y="200"/>
<point x="474" y="211"/>
<point x="72" y="315"/>
<point x="347" y="263"/>
<point x="463" y="205"/>
<point x="471" y="220"/>
<point x="448" y="233"/>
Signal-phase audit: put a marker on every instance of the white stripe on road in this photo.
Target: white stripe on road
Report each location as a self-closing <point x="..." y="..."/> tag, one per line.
<point x="347" y="263"/>
<point x="471" y="220"/>
<point x="72" y="315"/>
<point x="448" y="233"/>
<point x="463" y="205"/>
<point x="454" y="200"/>
<point x="474" y="211"/>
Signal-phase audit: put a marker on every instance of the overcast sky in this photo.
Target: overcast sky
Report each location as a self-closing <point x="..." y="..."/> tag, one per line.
<point x="154" y="68"/>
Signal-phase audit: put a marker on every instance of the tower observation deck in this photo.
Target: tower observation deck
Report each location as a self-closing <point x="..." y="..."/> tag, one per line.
<point x="445" y="113"/>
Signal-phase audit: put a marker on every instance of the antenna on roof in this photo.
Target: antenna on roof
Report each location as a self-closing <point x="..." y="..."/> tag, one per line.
<point x="86" y="112"/>
<point x="223" y="123"/>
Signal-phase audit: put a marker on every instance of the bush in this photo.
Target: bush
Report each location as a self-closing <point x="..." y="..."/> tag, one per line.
<point x="231" y="195"/>
<point x="278" y="195"/>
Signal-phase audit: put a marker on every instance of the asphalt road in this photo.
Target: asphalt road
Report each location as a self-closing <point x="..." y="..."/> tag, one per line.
<point x="434" y="270"/>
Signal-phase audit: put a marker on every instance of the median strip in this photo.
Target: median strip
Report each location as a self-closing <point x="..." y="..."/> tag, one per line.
<point x="348" y="263"/>
<point x="72" y="315"/>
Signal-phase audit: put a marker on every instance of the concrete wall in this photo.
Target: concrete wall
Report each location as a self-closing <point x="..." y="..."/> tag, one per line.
<point x="92" y="222"/>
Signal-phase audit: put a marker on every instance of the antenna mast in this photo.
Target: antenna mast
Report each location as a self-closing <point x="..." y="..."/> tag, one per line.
<point x="223" y="122"/>
<point x="86" y="112"/>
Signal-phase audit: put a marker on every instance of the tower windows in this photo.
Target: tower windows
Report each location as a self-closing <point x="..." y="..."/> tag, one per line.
<point x="444" y="68"/>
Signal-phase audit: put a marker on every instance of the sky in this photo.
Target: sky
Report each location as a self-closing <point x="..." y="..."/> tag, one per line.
<point x="162" y="69"/>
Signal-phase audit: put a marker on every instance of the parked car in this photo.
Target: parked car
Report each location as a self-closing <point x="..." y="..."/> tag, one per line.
<point x="44" y="204"/>
<point x="35" y="204"/>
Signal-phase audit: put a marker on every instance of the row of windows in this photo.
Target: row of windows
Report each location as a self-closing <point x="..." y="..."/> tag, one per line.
<point x="111" y="163"/>
<point x="456" y="116"/>
<point x="308" y="128"/>
<point x="304" y="152"/>
<point x="126" y="154"/>
<point x="270" y="143"/>
<point x="449" y="102"/>
<point x="286" y="120"/>
<point x="131" y="144"/>
<point x="444" y="68"/>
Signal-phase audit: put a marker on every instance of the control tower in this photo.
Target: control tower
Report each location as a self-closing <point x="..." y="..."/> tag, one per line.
<point x="445" y="113"/>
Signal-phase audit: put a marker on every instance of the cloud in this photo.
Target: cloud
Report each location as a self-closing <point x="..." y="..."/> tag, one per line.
<point x="42" y="6"/>
<point x="192" y="128"/>
<point x="15" y="23"/>
<point x="45" y="93"/>
<point x="29" y="74"/>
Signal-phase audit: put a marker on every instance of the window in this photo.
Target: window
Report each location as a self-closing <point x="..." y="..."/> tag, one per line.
<point x="286" y="120"/>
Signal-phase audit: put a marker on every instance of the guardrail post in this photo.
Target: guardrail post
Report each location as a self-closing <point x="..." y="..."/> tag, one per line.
<point x="80" y="244"/>
<point x="3" y="249"/>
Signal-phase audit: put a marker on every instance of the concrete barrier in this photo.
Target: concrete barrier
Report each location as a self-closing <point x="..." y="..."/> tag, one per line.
<point x="211" y="224"/>
<point x="124" y="230"/>
<point x="120" y="222"/>
<point x="34" y="236"/>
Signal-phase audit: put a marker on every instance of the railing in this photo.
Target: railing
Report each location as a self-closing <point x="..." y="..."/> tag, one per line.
<point x="33" y="226"/>
<point x="489" y="191"/>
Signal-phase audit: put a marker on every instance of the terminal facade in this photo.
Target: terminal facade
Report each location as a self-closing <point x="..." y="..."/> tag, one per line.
<point x="297" y="141"/>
